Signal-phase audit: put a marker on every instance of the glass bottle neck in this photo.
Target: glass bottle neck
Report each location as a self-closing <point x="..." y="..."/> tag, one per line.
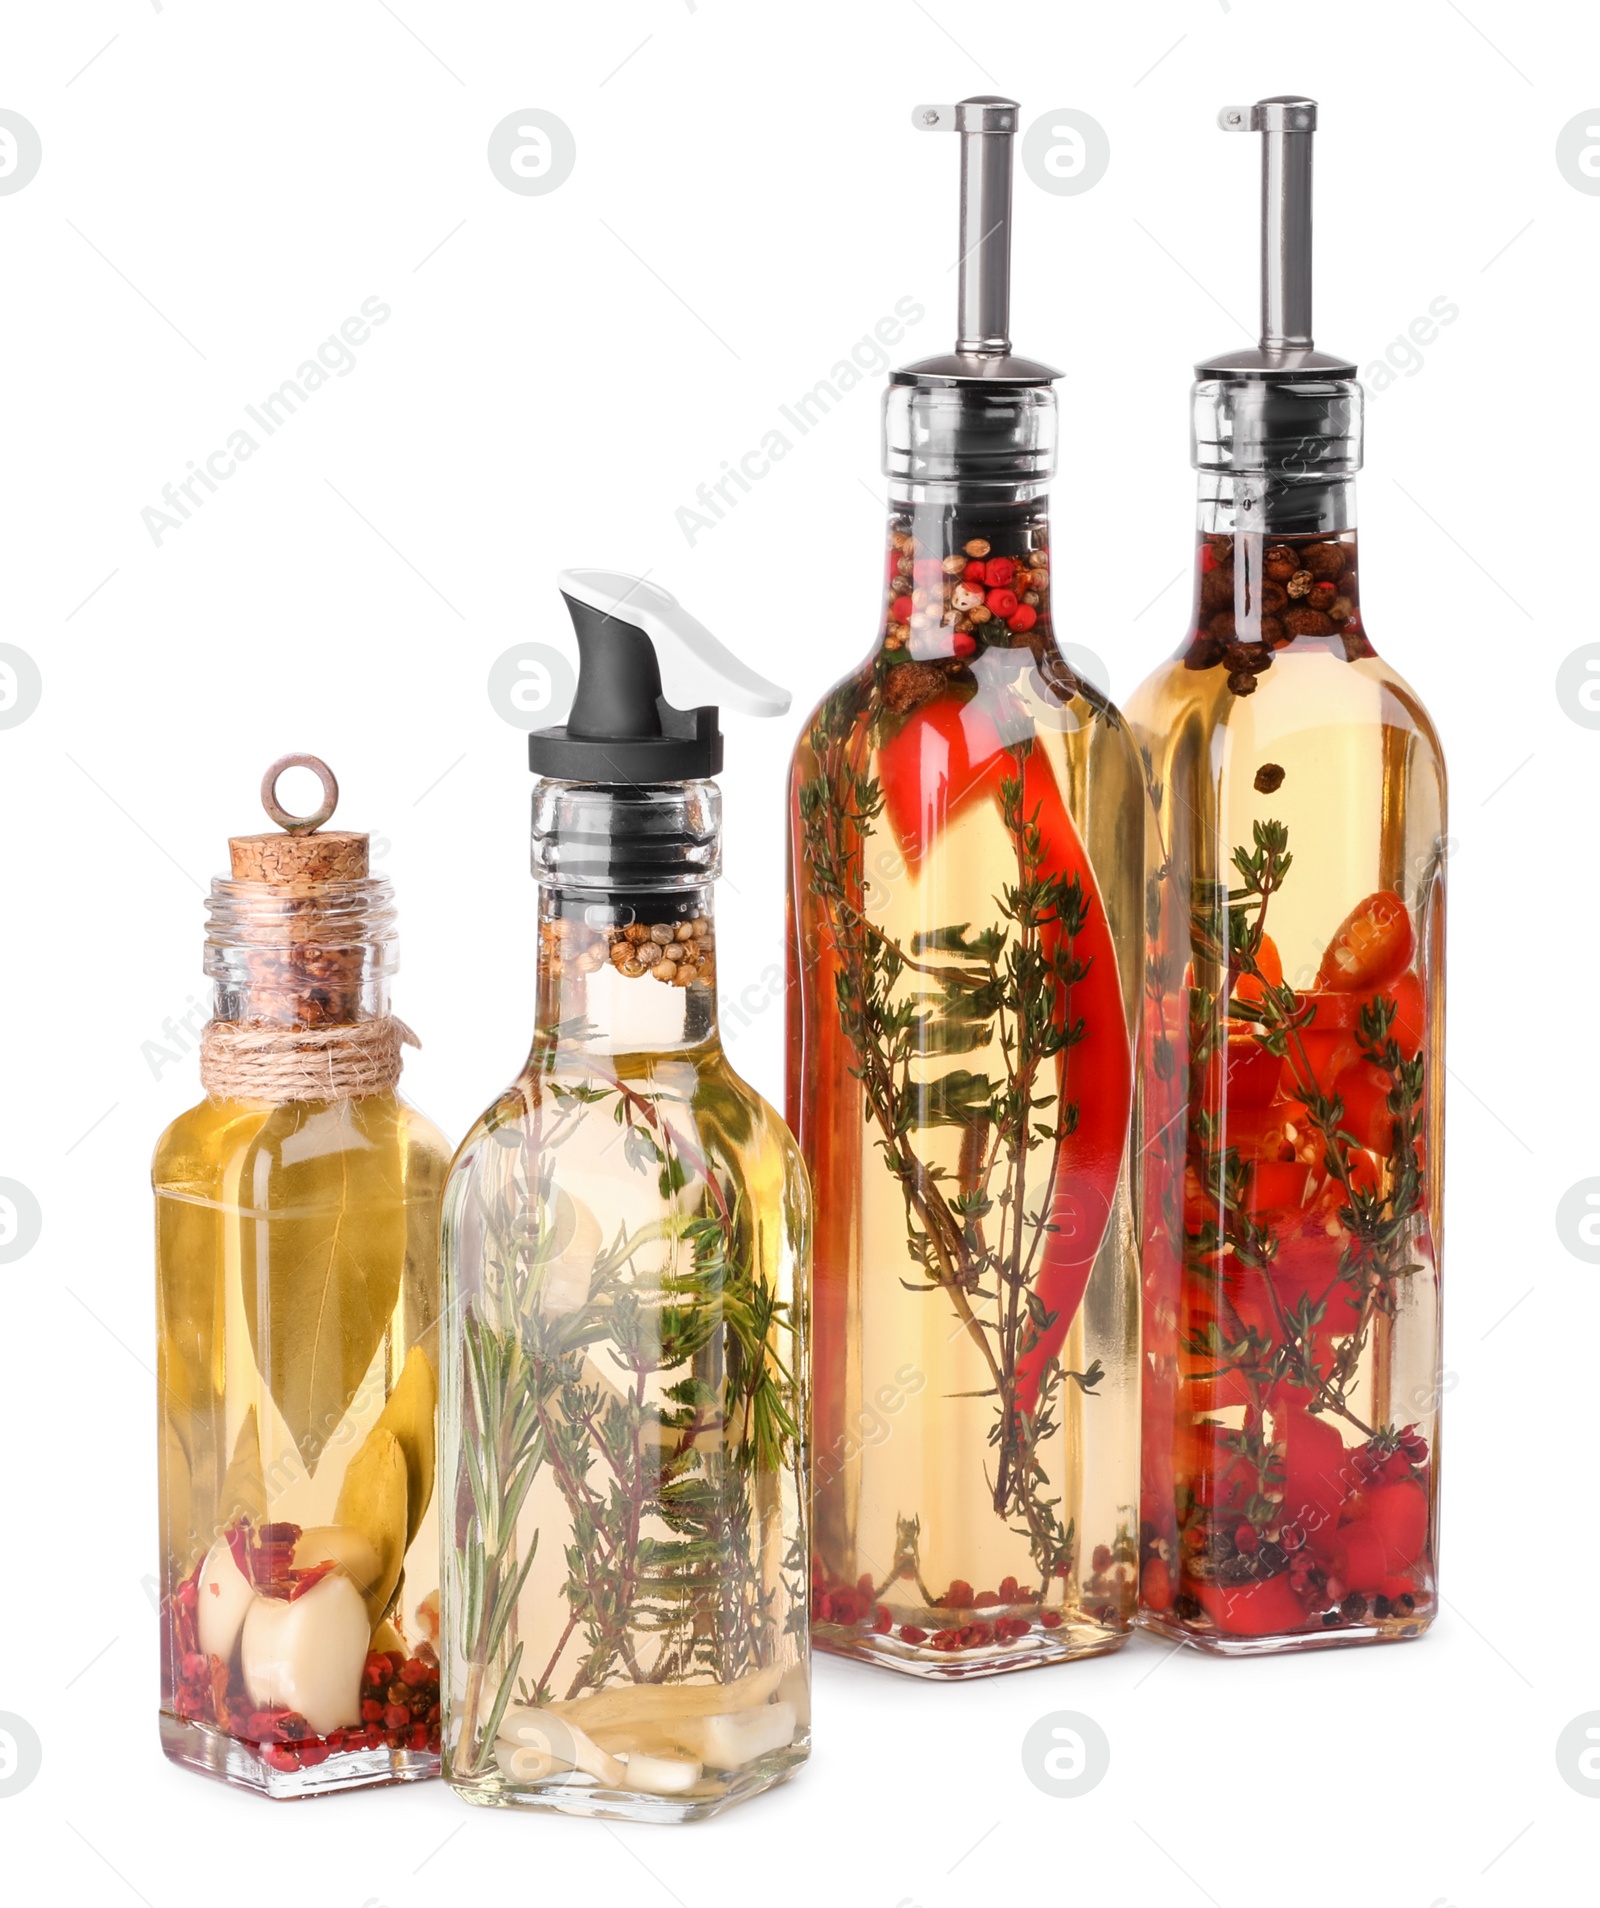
<point x="1256" y="594"/>
<point x="300" y="957"/>
<point x="964" y="577"/>
<point x="1237" y="502"/>
<point x="627" y="974"/>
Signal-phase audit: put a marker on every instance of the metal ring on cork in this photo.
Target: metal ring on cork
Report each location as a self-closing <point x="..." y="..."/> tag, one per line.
<point x="299" y="824"/>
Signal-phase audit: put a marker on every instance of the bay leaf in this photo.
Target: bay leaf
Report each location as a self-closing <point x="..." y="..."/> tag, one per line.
<point x="372" y="1500"/>
<point x="409" y="1415"/>
<point x="322" y="1243"/>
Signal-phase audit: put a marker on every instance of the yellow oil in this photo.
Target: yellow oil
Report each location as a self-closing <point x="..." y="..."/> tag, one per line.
<point x="904" y="1469"/>
<point x="297" y="1269"/>
<point x="1360" y="786"/>
<point x="551" y="1177"/>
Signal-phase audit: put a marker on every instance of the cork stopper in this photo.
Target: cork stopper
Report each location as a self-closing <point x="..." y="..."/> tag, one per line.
<point x="300" y="857"/>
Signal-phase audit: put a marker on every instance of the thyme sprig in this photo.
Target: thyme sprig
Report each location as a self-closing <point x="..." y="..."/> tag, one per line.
<point x="1377" y="1218"/>
<point x="974" y="1232"/>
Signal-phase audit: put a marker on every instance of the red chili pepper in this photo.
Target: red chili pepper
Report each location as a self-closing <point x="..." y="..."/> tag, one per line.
<point x="1002" y="602"/>
<point x="1155" y="1585"/>
<point x="1256" y="1609"/>
<point x="947" y="755"/>
<point x="1373" y="942"/>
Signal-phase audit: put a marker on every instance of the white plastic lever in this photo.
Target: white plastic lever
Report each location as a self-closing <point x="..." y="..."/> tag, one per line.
<point x="696" y="669"/>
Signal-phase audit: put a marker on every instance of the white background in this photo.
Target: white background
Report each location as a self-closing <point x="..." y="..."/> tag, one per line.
<point x="220" y="189"/>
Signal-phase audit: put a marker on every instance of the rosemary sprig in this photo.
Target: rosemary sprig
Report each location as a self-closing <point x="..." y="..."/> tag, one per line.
<point x="658" y="1412"/>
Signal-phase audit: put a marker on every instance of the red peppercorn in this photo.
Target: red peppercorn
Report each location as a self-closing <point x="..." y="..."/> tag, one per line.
<point x="883" y="1622"/>
<point x="194" y="1666"/>
<point x="973" y="573"/>
<point x="279" y="1757"/>
<point x="1051" y="1619"/>
<point x="1022" y="618"/>
<point x="414" y="1672"/>
<point x="311" y="1753"/>
<point x="909" y="1633"/>
<point x="1002" y="602"/>
<point x="985" y="1600"/>
<point x="1010" y="1591"/>
<point x="900" y="609"/>
<point x="998" y="572"/>
<point x="959" y="1595"/>
<point x="394" y="1717"/>
<point x="1101" y="1558"/>
<point x="377" y="1670"/>
<point x="371" y="1712"/>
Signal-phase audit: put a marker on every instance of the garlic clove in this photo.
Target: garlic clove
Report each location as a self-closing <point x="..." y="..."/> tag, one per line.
<point x="307" y="1655"/>
<point x="661" y="1775"/>
<point x="225" y="1599"/>
<point x="527" y="1765"/>
<point x="340" y="1544"/>
<point x="731" y="1741"/>
<point x="560" y="1744"/>
<point x="668" y="1704"/>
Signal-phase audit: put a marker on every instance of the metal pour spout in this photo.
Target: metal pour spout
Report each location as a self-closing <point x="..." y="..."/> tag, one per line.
<point x="1287" y="125"/>
<point x="987" y="125"/>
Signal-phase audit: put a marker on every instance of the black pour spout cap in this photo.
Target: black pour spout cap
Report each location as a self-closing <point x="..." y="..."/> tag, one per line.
<point x="636" y="641"/>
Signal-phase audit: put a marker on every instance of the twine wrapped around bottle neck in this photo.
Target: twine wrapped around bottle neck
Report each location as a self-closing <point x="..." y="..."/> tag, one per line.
<point x="350" y="1061"/>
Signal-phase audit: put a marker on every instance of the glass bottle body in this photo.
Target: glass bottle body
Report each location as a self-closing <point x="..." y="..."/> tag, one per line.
<point x="966" y="826"/>
<point x="297" y="1319"/>
<point x="1293" y="1111"/>
<point x="626" y="1246"/>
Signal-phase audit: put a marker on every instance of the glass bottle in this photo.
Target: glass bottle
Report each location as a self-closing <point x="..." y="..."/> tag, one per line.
<point x="966" y="833"/>
<point x="297" y="1295"/>
<point x="1294" y="1019"/>
<point x="626" y="1258"/>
